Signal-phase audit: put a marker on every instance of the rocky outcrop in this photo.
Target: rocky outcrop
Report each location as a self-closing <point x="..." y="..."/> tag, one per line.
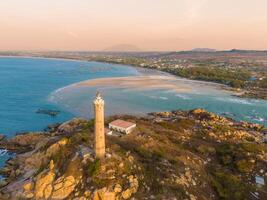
<point x="71" y="126"/>
<point x="104" y="194"/>
<point x="22" y="142"/>
<point x="2" y="137"/>
<point x="190" y="155"/>
<point x="47" y="186"/>
<point x="63" y="187"/>
<point x="39" y="158"/>
<point x="43" y="186"/>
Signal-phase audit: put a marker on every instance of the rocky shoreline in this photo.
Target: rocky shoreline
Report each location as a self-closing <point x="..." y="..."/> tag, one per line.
<point x="171" y="155"/>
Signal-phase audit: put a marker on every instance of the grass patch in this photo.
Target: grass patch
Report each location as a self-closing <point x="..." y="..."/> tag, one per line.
<point x="93" y="168"/>
<point x="228" y="186"/>
<point x="244" y="166"/>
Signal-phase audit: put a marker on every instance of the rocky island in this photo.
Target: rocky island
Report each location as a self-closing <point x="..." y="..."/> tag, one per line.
<point x="170" y="155"/>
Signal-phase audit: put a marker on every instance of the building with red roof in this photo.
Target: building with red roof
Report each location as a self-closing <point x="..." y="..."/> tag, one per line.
<point x="122" y="126"/>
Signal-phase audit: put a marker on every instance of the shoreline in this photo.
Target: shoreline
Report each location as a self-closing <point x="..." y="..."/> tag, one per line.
<point x="219" y="85"/>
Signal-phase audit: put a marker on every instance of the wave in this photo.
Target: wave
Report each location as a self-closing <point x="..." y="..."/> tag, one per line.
<point x="257" y="118"/>
<point x="163" y="98"/>
<point x="64" y="88"/>
<point x="3" y="152"/>
<point x="184" y="97"/>
<point x="233" y="100"/>
<point x="160" y="97"/>
<point x="55" y="95"/>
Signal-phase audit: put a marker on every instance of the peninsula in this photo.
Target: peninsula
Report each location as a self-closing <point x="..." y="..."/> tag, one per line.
<point x="193" y="155"/>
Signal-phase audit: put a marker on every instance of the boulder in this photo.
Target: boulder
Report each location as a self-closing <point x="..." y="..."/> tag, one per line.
<point x="198" y="111"/>
<point x="28" y="186"/>
<point x="71" y="126"/>
<point x="43" y="186"/>
<point x="63" y="187"/>
<point x="126" y="194"/>
<point x="104" y="194"/>
<point x="117" y="188"/>
<point x="29" y="139"/>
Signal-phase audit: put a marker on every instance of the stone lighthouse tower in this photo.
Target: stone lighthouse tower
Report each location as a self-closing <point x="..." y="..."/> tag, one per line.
<point x="99" y="127"/>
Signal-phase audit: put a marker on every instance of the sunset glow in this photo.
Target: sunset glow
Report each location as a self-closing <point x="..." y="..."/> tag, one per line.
<point x="147" y="24"/>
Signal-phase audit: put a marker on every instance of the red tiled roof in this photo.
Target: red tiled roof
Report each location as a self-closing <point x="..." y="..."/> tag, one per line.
<point x="121" y="123"/>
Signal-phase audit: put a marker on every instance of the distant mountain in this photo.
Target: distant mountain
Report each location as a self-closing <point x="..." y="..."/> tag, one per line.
<point x="203" y="50"/>
<point x="245" y="51"/>
<point x="122" y="48"/>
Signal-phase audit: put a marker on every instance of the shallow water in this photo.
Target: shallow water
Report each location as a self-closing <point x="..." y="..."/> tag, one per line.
<point x="143" y="100"/>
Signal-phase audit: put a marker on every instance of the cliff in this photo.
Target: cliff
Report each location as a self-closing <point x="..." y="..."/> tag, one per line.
<point x="170" y="155"/>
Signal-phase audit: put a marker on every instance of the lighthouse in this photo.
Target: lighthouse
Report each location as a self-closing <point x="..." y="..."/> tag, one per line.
<point x="99" y="146"/>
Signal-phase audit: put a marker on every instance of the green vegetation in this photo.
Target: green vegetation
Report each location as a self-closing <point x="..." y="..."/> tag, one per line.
<point x="234" y="78"/>
<point x="245" y="166"/>
<point x="253" y="147"/>
<point x="228" y="186"/>
<point x="205" y="149"/>
<point x="94" y="167"/>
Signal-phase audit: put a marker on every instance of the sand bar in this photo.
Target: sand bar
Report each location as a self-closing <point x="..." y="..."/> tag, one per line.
<point x="137" y="82"/>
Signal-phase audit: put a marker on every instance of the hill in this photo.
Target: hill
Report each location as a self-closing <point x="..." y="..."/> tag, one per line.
<point x="203" y="50"/>
<point x="193" y="155"/>
<point x="122" y="48"/>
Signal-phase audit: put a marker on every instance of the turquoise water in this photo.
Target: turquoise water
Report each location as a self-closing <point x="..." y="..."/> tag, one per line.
<point x="29" y="84"/>
<point x="26" y="83"/>
<point x="144" y="100"/>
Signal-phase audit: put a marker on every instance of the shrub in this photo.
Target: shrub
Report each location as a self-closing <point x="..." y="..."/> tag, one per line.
<point x="225" y="153"/>
<point x="228" y="186"/>
<point x="253" y="147"/>
<point x="244" y="166"/>
<point x="204" y="149"/>
<point x="94" y="167"/>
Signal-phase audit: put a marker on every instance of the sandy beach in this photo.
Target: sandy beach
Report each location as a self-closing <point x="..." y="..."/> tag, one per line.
<point x="137" y="82"/>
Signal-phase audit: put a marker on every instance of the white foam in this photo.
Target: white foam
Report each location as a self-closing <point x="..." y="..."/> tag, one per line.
<point x="55" y="95"/>
<point x="160" y="97"/>
<point x="181" y="96"/>
<point x="233" y="100"/>
<point x="3" y="152"/>
<point x="163" y="98"/>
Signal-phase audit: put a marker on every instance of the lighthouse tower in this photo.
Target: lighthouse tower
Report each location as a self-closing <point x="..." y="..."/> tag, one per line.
<point x="99" y="127"/>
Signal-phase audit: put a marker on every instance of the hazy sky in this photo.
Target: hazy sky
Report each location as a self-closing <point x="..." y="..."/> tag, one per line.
<point x="148" y="24"/>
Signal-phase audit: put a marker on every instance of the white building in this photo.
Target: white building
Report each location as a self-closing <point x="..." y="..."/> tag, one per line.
<point x="122" y="126"/>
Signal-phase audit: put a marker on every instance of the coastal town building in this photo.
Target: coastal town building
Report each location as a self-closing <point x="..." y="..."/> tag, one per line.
<point x="122" y="126"/>
<point x="99" y="144"/>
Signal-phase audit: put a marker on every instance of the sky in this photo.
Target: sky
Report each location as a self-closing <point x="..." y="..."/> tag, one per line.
<point x="158" y="25"/>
